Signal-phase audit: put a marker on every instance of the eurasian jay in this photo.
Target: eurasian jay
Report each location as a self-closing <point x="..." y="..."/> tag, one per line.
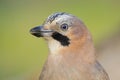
<point x="71" y="50"/>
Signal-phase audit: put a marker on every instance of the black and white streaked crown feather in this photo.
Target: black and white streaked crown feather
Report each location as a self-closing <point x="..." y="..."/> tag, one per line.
<point x="53" y="16"/>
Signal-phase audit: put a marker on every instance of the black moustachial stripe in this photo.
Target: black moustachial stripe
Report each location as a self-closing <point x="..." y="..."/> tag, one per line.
<point x="64" y="40"/>
<point x="53" y="16"/>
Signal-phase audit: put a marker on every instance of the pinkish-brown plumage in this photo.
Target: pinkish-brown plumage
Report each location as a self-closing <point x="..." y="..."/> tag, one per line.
<point x="72" y="55"/>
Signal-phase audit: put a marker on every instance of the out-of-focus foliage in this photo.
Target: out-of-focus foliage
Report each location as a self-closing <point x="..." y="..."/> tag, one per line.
<point x="21" y="53"/>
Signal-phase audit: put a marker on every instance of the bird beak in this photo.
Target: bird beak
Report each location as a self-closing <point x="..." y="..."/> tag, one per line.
<point x="40" y="32"/>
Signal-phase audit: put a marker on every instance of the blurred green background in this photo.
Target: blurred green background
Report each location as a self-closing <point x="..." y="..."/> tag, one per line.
<point x="21" y="54"/>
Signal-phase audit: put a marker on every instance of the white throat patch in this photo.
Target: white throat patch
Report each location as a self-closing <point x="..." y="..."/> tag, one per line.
<point x="54" y="46"/>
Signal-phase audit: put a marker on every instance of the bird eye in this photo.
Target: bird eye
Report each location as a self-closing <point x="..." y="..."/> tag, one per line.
<point x="64" y="27"/>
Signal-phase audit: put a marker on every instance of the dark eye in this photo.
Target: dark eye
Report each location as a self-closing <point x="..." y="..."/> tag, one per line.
<point x="64" y="27"/>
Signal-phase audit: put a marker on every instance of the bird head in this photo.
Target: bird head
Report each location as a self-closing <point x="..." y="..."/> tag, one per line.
<point x="65" y="33"/>
<point x="71" y="49"/>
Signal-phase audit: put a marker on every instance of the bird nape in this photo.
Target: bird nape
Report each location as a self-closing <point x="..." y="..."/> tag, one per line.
<point x="72" y="55"/>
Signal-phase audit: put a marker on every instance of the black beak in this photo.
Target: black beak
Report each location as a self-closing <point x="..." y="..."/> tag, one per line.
<point x="36" y="31"/>
<point x="40" y="32"/>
